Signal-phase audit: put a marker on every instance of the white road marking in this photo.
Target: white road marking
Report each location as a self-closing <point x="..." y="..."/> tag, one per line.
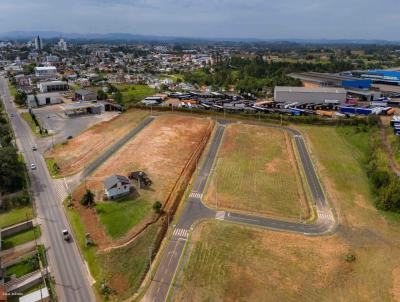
<point x="180" y="234"/>
<point x="220" y="215"/>
<point x="196" y="195"/>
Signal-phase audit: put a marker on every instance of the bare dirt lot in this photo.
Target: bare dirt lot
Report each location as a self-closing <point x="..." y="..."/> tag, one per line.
<point x="79" y="151"/>
<point x="257" y="172"/>
<point x="162" y="150"/>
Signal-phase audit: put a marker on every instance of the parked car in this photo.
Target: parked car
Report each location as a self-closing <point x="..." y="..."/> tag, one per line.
<point x="66" y="235"/>
<point x="33" y="167"/>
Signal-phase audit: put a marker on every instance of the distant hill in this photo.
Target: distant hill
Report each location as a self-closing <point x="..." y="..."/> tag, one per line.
<point x="27" y="35"/>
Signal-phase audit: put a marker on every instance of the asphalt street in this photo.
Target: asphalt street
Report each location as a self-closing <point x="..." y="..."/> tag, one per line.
<point x="195" y="210"/>
<point x="72" y="279"/>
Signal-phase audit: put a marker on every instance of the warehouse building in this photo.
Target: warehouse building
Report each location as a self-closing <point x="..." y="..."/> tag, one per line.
<point x="309" y="95"/>
<point x="42" y="99"/>
<point x="53" y="86"/>
<point x="383" y="76"/>
<point x="318" y="79"/>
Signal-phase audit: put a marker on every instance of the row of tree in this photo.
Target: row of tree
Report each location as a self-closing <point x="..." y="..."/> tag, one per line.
<point x="12" y="170"/>
<point x="257" y="75"/>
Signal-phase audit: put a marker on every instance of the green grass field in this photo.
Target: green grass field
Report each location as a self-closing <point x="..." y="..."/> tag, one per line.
<point x="119" y="216"/>
<point x="235" y="263"/>
<point x="15" y="216"/>
<point x="133" y="94"/>
<point x="256" y="172"/>
<point x="26" y="266"/>
<point x="21" y="238"/>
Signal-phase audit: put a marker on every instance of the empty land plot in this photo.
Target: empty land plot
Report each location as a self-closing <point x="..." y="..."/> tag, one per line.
<point x="72" y="156"/>
<point x="257" y="172"/>
<point x="162" y="150"/>
<point x="234" y="263"/>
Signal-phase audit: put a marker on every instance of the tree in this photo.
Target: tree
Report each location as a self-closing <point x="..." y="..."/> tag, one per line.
<point x="88" y="198"/>
<point x="157" y="207"/>
<point x="101" y="95"/>
<point x="20" y="98"/>
<point x="118" y="97"/>
<point x="11" y="170"/>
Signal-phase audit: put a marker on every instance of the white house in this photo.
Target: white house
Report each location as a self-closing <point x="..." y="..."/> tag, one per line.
<point x="116" y="186"/>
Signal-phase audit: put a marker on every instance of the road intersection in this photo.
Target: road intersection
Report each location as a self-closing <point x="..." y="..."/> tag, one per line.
<point x="195" y="211"/>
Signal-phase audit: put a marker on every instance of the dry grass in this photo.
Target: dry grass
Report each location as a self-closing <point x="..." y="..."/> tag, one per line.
<point x="79" y="151"/>
<point x="235" y="263"/>
<point x="257" y="172"/>
<point x="161" y="150"/>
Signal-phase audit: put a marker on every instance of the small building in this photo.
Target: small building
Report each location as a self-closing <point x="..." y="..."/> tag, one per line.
<point x="85" y="95"/>
<point x="41" y="295"/>
<point x="42" y="99"/>
<point x="309" y="95"/>
<point x="116" y="186"/>
<point x="52" y="86"/>
<point x="47" y="71"/>
<point x="83" y="108"/>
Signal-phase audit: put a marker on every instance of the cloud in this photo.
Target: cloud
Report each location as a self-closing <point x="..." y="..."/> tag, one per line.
<point x="208" y="18"/>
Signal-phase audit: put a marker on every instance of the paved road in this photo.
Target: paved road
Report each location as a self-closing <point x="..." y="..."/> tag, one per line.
<point x="64" y="258"/>
<point x="195" y="210"/>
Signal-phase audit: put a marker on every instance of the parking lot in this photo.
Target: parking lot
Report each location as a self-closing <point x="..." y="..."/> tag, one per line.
<point x="53" y="119"/>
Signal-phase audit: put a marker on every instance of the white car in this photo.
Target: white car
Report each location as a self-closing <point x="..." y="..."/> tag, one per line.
<point x="33" y="167"/>
<point x="66" y="235"/>
<point x="34" y="148"/>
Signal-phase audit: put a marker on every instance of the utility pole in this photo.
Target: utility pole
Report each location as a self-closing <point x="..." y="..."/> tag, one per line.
<point x="216" y="190"/>
<point x="150" y="255"/>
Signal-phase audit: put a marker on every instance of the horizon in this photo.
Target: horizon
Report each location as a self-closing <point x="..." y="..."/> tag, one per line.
<point x="236" y="19"/>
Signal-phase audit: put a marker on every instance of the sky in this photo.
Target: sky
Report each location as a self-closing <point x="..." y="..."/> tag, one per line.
<point x="264" y="19"/>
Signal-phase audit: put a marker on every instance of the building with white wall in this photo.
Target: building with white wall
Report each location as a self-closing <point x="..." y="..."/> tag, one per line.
<point x="46" y="71"/>
<point x="53" y="86"/>
<point x="309" y="95"/>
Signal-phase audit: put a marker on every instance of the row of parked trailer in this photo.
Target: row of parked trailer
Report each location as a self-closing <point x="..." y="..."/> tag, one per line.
<point x="236" y="103"/>
<point x="395" y="123"/>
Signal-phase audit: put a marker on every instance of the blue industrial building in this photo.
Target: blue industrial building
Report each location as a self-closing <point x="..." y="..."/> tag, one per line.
<point x="358" y="84"/>
<point x="383" y="76"/>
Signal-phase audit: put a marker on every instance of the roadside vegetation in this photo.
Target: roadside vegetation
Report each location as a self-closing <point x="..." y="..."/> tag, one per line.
<point x="15" y="205"/>
<point x="34" y="124"/>
<point x="118" y="272"/>
<point x="231" y="262"/>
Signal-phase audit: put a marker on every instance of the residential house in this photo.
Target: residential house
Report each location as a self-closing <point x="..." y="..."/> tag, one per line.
<point x="116" y="186"/>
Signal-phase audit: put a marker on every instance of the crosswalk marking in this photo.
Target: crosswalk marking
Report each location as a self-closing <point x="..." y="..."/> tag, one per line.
<point x="325" y="216"/>
<point x="220" y="215"/>
<point x="180" y="234"/>
<point x="196" y="195"/>
<point x="60" y="189"/>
